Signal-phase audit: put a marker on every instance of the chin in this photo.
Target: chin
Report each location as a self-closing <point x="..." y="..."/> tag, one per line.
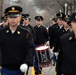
<point x="13" y="25"/>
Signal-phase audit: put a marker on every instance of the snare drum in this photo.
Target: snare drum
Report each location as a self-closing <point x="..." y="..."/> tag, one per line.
<point x="43" y="54"/>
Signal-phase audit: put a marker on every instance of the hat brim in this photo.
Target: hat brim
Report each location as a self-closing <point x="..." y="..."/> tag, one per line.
<point x="13" y="15"/>
<point x="66" y="20"/>
<point x="60" y="18"/>
<point x="39" y="19"/>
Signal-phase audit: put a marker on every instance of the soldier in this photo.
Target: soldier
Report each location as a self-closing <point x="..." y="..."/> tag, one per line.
<point x="54" y="28"/>
<point x="41" y="38"/>
<point x="53" y="31"/>
<point x="67" y="55"/>
<point x="27" y="25"/>
<point x="65" y="29"/>
<point x="16" y="44"/>
<point x="41" y="31"/>
<point x="4" y="22"/>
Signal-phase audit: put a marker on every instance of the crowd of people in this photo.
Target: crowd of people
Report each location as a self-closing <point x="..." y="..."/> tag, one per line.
<point x="19" y="39"/>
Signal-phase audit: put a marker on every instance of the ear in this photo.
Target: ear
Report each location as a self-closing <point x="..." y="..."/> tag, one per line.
<point x="20" y="17"/>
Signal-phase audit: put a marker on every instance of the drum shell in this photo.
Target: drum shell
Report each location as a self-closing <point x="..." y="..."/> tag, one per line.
<point x="43" y="56"/>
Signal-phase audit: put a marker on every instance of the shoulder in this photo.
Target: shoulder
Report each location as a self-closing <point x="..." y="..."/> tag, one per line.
<point x="3" y="28"/>
<point x="35" y="26"/>
<point x="24" y="29"/>
<point x="43" y="27"/>
<point x="67" y="36"/>
<point x="30" y="26"/>
<point x="54" y="26"/>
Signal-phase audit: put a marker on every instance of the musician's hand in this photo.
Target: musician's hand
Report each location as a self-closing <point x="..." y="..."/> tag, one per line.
<point x="23" y="67"/>
<point x="47" y="43"/>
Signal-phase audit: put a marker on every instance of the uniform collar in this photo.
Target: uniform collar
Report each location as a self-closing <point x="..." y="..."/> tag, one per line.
<point x="8" y="30"/>
<point x="39" y="26"/>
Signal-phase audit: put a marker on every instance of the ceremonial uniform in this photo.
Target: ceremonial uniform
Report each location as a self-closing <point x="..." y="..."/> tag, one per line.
<point x="41" y="35"/>
<point x="65" y="29"/>
<point x="28" y="26"/>
<point x="41" y="38"/>
<point x="17" y="48"/>
<point x="66" y="58"/>
<point x="17" y="45"/>
<point x="52" y="33"/>
<point x="54" y="28"/>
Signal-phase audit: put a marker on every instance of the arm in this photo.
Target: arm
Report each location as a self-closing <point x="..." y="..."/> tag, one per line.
<point x="30" y="49"/>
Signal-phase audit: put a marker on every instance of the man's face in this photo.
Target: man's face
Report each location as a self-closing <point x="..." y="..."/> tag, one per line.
<point x="39" y="22"/>
<point x="65" y="24"/>
<point x="5" y="22"/>
<point x="26" y="21"/>
<point x="60" y="22"/>
<point x="13" y="21"/>
<point x="73" y="24"/>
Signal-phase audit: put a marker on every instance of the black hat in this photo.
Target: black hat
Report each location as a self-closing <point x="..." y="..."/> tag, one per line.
<point x="39" y="18"/>
<point x="4" y="18"/>
<point x="66" y="18"/>
<point x="55" y="19"/>
<point x="60" y="15"/>
<point x="73" y="17"/>
<point x="25" y="15"/>
<point x="13" y="11"/>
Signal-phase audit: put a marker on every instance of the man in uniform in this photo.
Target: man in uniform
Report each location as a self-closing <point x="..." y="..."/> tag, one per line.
<point x="41" y="38"/>
<point x="4" y="22"/>
<point x="53" y="31"/>
<point x="67" y="54"/>
<point x="65" y="29"/>
<point x="54" y="28"/>
<point x="16" y="44"/>
<point x="27" y="25"/>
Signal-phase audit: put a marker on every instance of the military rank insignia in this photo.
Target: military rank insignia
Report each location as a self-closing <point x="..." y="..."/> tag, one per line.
<point x="18" y="32"/>
<point x="7" y="31"/>
<point x="70" y="38"/>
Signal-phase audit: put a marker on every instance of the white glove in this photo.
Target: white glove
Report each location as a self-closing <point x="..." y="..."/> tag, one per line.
<point x="24" y="67"/>
<point x="47" y="43"/>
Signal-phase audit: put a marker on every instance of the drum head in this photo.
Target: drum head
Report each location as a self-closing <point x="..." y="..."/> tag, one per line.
<point x="42" y="48"/>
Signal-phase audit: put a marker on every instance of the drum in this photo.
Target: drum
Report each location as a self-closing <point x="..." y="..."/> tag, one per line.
<point x="43" y="54"/>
